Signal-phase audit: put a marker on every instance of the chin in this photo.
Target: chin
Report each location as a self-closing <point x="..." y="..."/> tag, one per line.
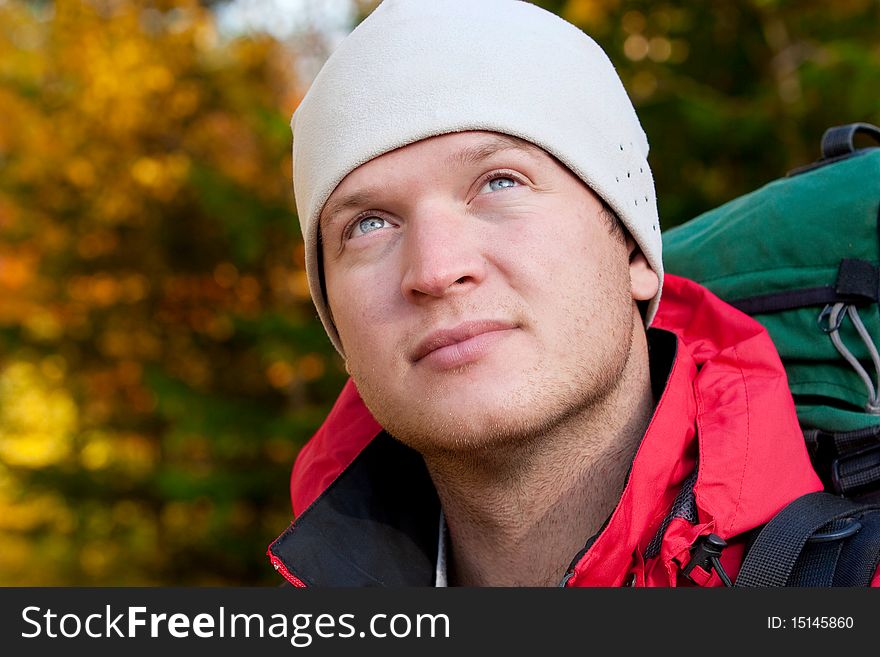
<point x="448" y="426"/>
<point x="488" y="405"/>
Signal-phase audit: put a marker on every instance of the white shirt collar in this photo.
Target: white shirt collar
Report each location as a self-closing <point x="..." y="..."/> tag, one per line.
<point x="440" y="578"/>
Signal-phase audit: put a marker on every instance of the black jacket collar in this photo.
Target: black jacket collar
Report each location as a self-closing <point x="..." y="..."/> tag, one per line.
<point x="375" y="525"/>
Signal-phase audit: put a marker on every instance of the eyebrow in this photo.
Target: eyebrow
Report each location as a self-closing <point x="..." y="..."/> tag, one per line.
<point x="356" y="199"/>
<point x="496" y="144"/>
<point x="470" y="156"/>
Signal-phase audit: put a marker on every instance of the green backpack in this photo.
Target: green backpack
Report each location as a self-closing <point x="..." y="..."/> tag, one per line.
<point x="801" y="256"/>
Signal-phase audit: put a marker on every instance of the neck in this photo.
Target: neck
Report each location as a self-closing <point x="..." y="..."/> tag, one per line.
<point x="517" y="516"/>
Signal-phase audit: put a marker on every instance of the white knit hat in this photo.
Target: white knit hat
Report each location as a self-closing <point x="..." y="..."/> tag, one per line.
<point x="417" y="68"/>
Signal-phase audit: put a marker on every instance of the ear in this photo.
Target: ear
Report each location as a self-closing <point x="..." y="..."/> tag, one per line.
<point x="644" y="282"/>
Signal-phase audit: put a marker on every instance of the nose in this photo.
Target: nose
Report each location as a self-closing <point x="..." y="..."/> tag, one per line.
<point x="442" y="255"/>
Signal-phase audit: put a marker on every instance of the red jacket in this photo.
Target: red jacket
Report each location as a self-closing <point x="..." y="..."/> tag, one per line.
<point x="722" y="454"/>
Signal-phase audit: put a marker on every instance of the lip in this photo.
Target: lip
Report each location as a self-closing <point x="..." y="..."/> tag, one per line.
<point x="461" y="344"/>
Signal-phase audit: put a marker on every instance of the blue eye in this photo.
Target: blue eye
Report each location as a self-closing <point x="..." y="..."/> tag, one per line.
<point x="499" y="183"/>
<point x="369" y="224"/>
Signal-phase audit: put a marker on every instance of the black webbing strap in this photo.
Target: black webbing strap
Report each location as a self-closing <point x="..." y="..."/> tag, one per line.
<point x="850" y="561"/>
<point x="857" y="471"/>
<point x="860" y="554"/>
<point x="771" y="559"/>
<point x="788" y="300"/>
<point x="847" y="461"/>
<point x="831" y="444"/>
<point x="840" y="139"/>
<point x="858" y="281"/>
<point x="817" y="563"/>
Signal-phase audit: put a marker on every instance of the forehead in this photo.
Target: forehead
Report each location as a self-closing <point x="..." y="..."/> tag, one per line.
<point x="453" y="151"/>
<point x="457" y="148"/>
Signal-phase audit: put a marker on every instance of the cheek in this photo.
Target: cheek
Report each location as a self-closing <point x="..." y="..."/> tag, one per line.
<point x="558" y="256"/>
<point x="575" y="280"/>
<point x="360" y="303"/>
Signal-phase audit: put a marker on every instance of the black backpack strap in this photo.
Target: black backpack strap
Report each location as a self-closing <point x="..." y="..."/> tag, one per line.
<point x="860" y="555"/>
<point x="847" y="561"/>
<point x="772" y="558"/>
<point x="817" y="563"/>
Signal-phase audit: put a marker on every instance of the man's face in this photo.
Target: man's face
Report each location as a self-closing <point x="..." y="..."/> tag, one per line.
<point x="478" y="292"/>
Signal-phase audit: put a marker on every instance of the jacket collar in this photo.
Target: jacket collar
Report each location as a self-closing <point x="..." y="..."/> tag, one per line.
<point x="375" y="525"/>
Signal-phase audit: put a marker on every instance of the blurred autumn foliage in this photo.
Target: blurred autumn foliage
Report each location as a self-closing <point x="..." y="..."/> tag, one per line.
<point x="733" y="94"/>
<point x="160" y="360"/>
<point x="160" y="363"/>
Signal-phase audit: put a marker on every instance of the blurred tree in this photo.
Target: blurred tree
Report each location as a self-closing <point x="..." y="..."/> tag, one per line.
<point x="733" y="94"/>
<point x="159" y="359"/>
